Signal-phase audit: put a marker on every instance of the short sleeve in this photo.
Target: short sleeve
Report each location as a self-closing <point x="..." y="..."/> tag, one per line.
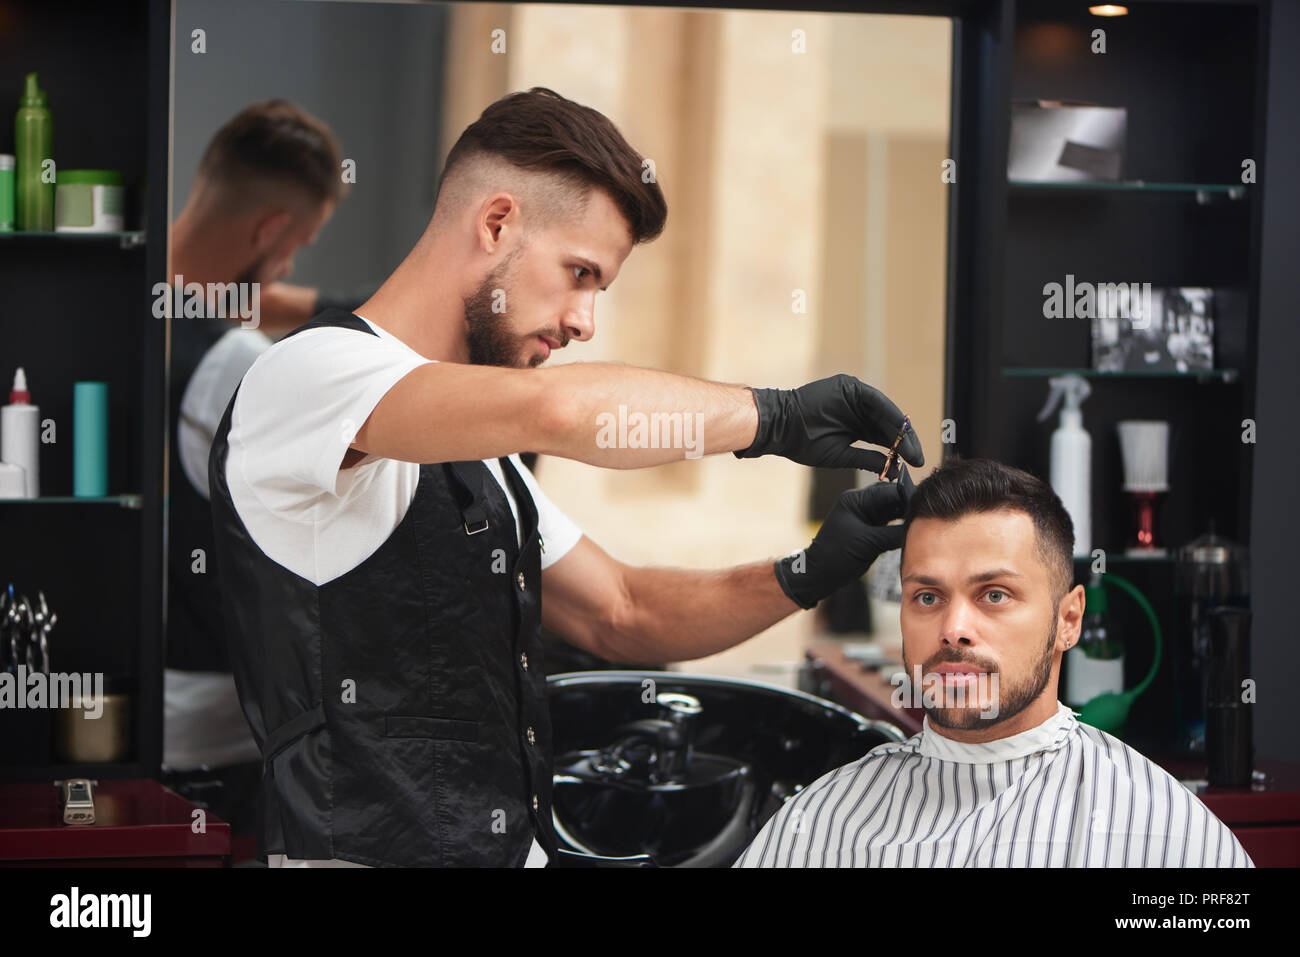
<point x="301" y="404"/>
<point x="207" y="395"/>
<point x="559" y="532"/>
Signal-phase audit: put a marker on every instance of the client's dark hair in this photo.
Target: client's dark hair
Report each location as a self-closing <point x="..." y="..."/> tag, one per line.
<point x="962" y="487"/>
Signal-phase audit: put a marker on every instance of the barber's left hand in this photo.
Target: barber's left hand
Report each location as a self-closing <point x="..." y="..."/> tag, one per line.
<point x="854" y="535"/>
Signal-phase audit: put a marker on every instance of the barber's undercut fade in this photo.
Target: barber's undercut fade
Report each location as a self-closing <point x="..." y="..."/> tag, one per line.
<point x="273" y="146"/>
<point x="962" y="487"/>
<point x="574" y="149"/>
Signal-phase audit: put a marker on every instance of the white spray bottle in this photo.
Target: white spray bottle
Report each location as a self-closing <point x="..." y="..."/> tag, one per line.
<point x="1072" y="456"/>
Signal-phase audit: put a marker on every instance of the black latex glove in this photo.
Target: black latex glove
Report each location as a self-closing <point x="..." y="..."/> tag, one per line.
<point x="815" y="424"/>
<point x="853" y="536"/>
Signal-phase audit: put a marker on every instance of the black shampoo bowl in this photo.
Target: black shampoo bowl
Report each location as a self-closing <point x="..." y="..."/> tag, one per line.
<point x="679" y="770"/>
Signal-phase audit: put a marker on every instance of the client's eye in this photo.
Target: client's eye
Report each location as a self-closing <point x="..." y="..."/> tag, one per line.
<point x="920" y="598"/>
<point x="993" y="592"/>
<point x="577" y="270"/>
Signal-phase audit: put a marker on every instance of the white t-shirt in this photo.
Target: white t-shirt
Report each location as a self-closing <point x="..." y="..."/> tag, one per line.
<point x="208" y="393"/>
<point x="298" y="408"/>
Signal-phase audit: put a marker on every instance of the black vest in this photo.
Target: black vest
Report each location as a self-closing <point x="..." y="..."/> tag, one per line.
<point x="400" y="708"/>
<point x="195" y="639"/>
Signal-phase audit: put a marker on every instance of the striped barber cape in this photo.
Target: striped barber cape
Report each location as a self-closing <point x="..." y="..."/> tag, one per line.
<point x="1062" y="794"/>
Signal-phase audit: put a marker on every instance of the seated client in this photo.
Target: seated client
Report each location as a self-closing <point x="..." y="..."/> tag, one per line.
<point x="1002" y="774"/>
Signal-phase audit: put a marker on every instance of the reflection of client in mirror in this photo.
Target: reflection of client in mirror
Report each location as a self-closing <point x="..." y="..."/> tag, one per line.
<point x="267" y="183"/>
<point x="1002" y="773"/>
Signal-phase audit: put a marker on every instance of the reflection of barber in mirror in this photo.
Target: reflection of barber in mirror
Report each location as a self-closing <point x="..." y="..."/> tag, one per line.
<point x="387" y="562"/>
<point x="1001" y="774"/>
<point x="266" y="185"/>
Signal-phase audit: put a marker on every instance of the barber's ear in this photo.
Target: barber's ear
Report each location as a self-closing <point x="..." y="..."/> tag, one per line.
<point x="497" y="214"/>
<point x="268" y="227"/>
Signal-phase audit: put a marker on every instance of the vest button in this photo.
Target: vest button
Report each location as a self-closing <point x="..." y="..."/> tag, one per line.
<point x="534" y="802"/>
<point x="520" y="578"/>
<point x="523" y="659"/>
<point x="532" y="738"/>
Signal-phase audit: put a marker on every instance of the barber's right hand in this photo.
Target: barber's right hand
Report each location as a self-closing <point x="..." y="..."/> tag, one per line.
<point x="816" y="424"/>
<point x="855" y="534"/>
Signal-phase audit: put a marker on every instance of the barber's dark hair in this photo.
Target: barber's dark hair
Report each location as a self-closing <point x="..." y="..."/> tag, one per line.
<point x="540" y="130"/>
<point x="277" y="142"/>
<point x="962" y="487"/>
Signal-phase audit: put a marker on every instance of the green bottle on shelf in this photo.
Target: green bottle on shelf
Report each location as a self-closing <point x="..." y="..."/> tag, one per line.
<point x="1096" y="665"/>
<point x="33" y="145"/>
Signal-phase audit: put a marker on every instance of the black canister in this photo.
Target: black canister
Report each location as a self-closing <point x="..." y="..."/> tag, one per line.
<point x="1212" y="572"/>
<point x="1229" y="741"/>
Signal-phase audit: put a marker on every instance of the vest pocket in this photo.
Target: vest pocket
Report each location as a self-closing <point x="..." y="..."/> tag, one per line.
<point x="419" y="726"/>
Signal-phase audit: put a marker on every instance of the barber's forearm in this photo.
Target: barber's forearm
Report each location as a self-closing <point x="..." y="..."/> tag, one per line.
<point x="676" y="614"/>
<point x="452" y="412"/>
<point x="603" y="409"/>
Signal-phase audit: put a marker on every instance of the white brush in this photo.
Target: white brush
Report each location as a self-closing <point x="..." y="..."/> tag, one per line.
<point x="1144" y="445"/>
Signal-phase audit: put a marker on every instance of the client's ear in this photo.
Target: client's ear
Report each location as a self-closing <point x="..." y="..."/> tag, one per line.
<point x="1070" y="616"/>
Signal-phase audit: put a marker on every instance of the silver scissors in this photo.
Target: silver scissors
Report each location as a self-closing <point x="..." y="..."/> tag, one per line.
<point x="38" y="647"/>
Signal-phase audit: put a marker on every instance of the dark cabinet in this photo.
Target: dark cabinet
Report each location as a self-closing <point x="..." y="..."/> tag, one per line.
<point x="1205" y="95"/>
<point x="76" y="308"/>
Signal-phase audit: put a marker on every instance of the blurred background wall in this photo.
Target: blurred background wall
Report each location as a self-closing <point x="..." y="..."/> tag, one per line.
<point x="373" y="72"/>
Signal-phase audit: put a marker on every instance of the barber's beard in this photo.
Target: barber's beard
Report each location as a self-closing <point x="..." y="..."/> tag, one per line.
<point x="1008" y="699"/>
<point x="488" y="335"/>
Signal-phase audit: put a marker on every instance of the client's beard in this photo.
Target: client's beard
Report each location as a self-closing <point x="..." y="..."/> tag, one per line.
<point x="1009" y="700"/>
<point x="491" y="343"/>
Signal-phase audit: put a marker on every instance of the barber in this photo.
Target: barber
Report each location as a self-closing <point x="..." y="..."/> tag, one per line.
<point x="387" y="563"/>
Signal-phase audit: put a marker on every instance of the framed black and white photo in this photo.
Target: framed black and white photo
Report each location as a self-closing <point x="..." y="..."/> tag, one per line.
<point x="1157" y="330"/>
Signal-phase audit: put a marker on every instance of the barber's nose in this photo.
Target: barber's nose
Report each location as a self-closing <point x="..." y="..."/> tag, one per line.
<point x="580" y="323"/>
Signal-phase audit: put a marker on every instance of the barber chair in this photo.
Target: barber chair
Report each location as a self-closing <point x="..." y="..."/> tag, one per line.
<point x="660" y="768"/>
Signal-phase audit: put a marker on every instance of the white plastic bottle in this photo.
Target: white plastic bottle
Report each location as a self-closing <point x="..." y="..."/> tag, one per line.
<point x="1071" y="471"/>
<point x="20" y="434"/>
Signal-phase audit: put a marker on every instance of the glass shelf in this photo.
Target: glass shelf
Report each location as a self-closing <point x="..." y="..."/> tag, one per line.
<point x="1202" y="191"/>
<point x="133" y="501"/>
<point x="1120" y="555"/>
<point x="125" y="240"/>
<point x="1200" y="375"/>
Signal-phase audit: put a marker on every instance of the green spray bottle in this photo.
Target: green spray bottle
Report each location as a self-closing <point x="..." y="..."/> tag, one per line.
<point x="33" y="142"/>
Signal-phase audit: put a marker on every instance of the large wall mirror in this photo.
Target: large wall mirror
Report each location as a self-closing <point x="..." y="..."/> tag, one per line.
<point x="802" y="157"/>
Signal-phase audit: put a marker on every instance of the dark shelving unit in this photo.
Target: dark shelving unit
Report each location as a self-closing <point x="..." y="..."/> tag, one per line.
<point x="1193" y="78"/>
<point x="79" y="307"/>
